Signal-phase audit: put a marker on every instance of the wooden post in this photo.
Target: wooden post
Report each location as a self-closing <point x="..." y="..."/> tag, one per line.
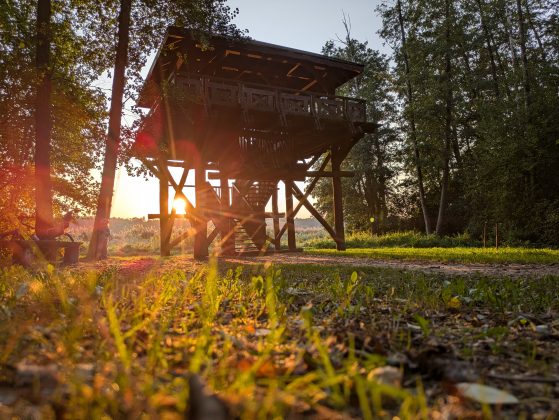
<point x="200" y="238"/>
<point x="289" y="215"/>
<point x="275" y="212"/>
<point x="227" y="228"/>
<point x="338" y="205"/>
<point x="164" y="235"/>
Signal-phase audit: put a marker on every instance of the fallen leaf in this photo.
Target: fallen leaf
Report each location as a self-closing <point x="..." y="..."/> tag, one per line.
<point x="386" y="375"/>
<point x="22" y="290"/>
<point x="262" y="332"/>
<point x="485" y="394"/>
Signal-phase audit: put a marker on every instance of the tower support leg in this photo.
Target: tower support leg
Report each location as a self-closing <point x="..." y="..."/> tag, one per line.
<point x="289" y="215"/>
<point x="227" y="226"/>
<point x="338" y="204"/>
<point x="164" y="231"/>
<point x="200" y="238"/>
<point x="275" y="211"/>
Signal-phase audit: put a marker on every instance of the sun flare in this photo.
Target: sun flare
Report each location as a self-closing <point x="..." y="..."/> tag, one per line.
<point x="179" y="205"/>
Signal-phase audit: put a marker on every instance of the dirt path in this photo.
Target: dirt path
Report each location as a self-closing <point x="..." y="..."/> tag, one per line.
<point x="433" y="267"/>
<point x="144" y="264"/>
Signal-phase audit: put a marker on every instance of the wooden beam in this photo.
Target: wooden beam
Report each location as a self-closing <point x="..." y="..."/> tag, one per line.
<point x="153" y="216"/>
<point x="180" y="238"/>
<point x="275" y="216"/>
<point x="337" y="158"/>
<point x="302" y="199"/>
<point x="200" y="238"/>
<point x="308" y="192"/>
<point x="148" y="164"/>
<point x="296" y="175"/>
<point x="289" y="214"/>
<point x="164" y="220"/>
<point x="213" y="234"/>
<point x="227" y="223"/>
<point x="330" y="174"/>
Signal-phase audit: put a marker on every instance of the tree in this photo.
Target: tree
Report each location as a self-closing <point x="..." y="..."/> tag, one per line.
<point x="411" y="118"/>
<point x="75" y="112"/>
<point x="484" y="108"/>
<point x="367" y="195"/>
<point x="104" y="201"/>
<point x="43" y="120"/>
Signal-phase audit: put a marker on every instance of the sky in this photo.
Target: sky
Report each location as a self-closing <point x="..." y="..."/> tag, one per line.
<point x="301" y="24"/>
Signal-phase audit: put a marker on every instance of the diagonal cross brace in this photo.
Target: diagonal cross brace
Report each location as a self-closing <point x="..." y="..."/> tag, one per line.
<point x="307" y="193"/>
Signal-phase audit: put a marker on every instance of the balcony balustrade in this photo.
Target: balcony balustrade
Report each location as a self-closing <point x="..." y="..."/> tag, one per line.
<point x="214" y="92"/>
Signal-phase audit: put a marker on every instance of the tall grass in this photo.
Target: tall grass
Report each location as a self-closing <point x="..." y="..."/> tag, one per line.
<point x="408" y="239"/>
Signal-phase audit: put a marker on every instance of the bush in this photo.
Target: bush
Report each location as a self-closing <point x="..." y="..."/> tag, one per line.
<point x="408" y="239"/>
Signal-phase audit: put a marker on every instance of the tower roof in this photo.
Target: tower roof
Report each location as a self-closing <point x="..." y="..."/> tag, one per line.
<point x="246" y="60"/>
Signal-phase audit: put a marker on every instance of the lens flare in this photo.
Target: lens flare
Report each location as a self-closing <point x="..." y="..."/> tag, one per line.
<point x="179" y="205"/>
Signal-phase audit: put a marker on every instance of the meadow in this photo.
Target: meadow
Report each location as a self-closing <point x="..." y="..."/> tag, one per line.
<point x="144" y="337"/>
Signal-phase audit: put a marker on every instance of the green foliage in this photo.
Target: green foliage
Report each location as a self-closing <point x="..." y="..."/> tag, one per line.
<point x="455" y="254"/>
<point x="483" y="85"/>
<point x="367" y="195"/>
<point x="397" y="239"/>
<point x="78" y="109"/>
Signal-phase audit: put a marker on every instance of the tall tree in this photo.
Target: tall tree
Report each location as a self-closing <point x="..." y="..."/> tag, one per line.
<point x="43" y="120"/>
<point x="447" y="115"/>
<point x="367" y="196"/>
<point x="411" y="118"/>
<point x="104" y="201"/>
<point x="76" y="109"/>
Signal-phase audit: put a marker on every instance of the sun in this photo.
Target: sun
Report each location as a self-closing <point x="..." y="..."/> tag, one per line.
<point x="179" y="205"/>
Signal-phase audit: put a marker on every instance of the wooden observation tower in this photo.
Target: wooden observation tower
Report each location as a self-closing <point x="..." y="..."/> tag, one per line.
<point x="249" y="115"/>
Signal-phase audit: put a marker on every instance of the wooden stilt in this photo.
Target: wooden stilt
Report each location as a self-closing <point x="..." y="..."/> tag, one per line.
<point x="164" y="234"/>
<point x="289" y="215"/>
<point x="227" y="226"/>
<point x="200" y="238"/>
<point x="338" y="204"/>
<point x="275" y="215"/>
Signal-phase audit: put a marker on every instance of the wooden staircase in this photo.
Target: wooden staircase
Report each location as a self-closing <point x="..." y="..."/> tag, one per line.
<point x="248" y="206"/>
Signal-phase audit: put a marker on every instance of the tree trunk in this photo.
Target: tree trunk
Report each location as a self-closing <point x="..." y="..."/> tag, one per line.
<point x="43" y="121"/>
<point x="104" y="201"/>
<point x="489" y="49"/>
<point x="413" y="133"/>
<point x="524" y="57"/>
<point x="448" y="123"/>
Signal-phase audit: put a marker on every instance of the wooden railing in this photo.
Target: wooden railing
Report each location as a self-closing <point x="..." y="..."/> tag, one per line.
<point x="254" y="97"/>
